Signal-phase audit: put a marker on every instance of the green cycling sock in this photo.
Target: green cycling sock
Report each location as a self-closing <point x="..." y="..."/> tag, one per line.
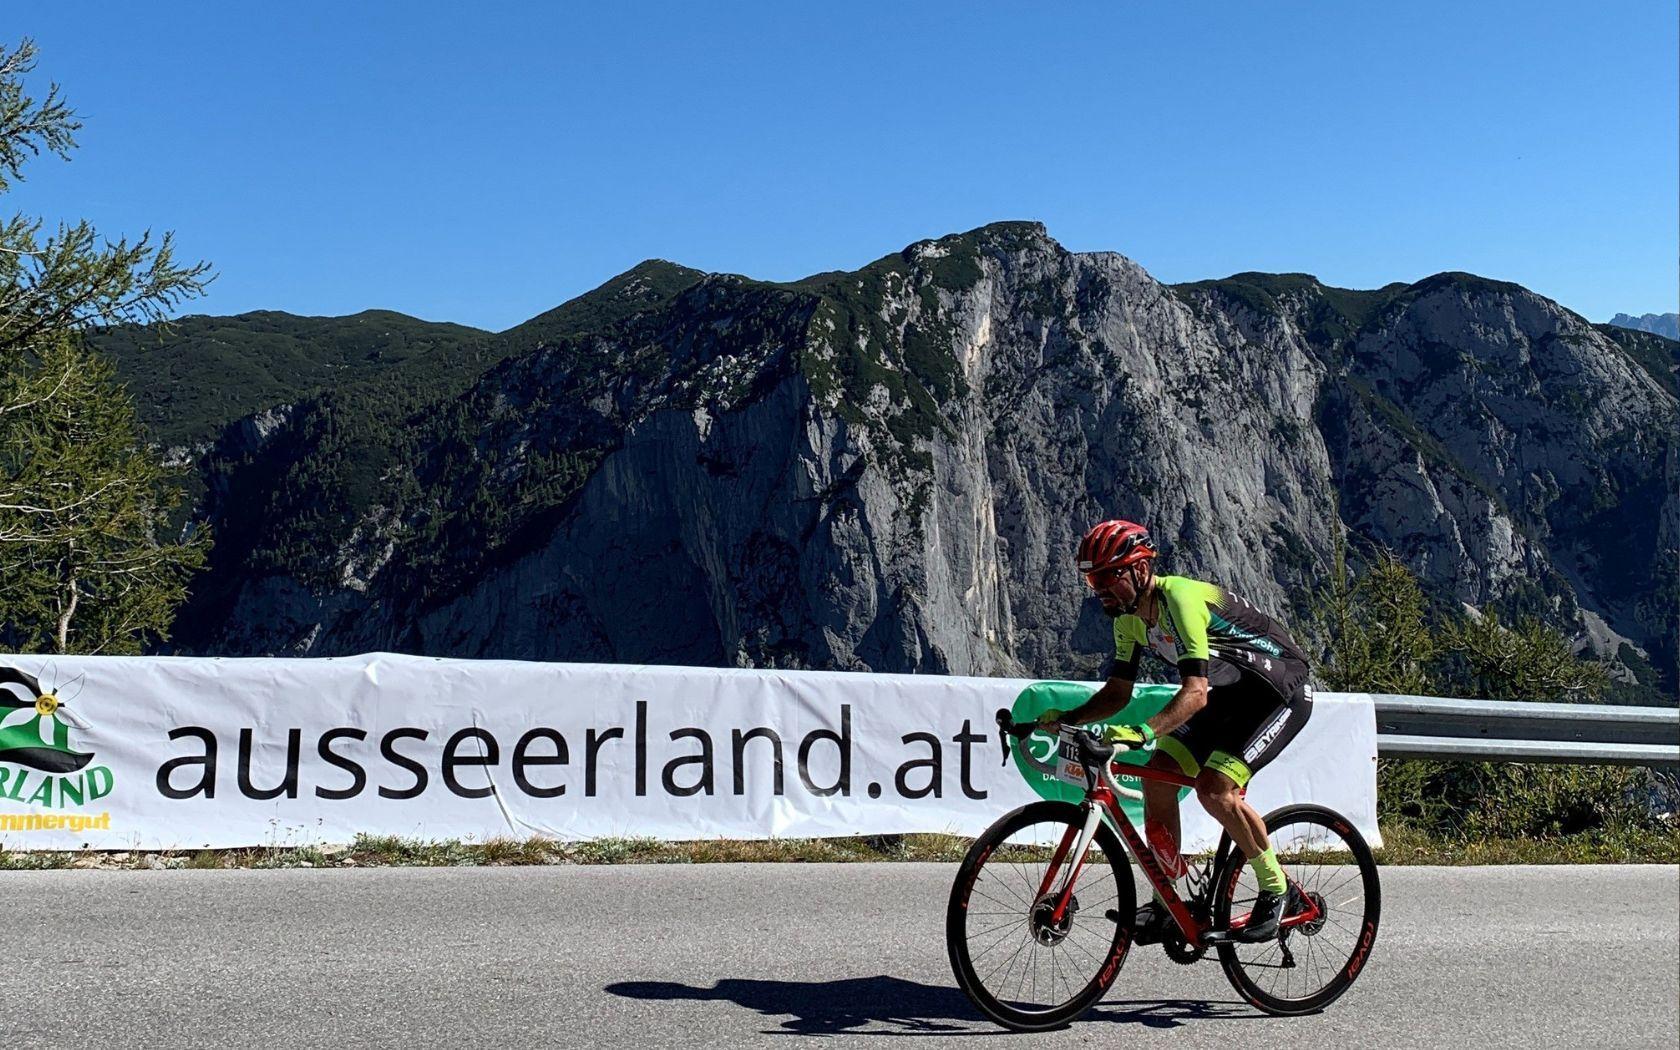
<point x="1268" y="872"/>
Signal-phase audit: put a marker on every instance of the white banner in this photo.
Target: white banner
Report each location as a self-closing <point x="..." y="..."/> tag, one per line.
<point x="183" y="753"/>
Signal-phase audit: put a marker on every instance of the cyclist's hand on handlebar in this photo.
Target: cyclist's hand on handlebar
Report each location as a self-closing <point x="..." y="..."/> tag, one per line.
<point x="1049" y="717"/>
<point x="1135" y="738"/>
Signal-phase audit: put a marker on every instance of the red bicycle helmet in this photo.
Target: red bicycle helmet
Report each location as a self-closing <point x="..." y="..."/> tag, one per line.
<point x="1109" y="549"/>
<point x="1114" y="545"/>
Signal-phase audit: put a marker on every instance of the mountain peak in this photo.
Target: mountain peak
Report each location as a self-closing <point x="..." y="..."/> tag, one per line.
<point x="1010" y="235"/>
<point x="1467" y="282"/>
<point x="644" y="286"/>
<point x="1666" y="325"/>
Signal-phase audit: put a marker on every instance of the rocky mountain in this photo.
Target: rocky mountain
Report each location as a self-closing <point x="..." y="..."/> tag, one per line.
<point x="1665" y="325"/>
<point x="888" y="469"/>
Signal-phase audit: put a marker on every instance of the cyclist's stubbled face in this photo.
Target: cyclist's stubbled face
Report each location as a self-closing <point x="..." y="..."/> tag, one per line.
<point x="1115" y="588"/>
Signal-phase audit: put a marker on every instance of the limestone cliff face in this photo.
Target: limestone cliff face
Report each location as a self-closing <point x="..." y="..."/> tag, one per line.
<point x="890" y="469"/>
<point x="1560" y="440"/>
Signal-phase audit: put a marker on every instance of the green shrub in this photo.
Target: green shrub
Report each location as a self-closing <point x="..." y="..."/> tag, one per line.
<point x="1375" y="633"/>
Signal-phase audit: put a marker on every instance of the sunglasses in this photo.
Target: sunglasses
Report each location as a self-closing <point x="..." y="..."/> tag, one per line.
<point x="1102" y="580"/>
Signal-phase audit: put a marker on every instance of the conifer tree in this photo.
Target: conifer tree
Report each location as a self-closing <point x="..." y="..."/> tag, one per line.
<point x="1528" y="661"/>
<point x="86" y="560"/>
<point x="1375" y="634"/>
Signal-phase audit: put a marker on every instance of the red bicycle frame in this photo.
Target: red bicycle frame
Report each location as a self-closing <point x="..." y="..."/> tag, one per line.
<point x="1103" y="797"/>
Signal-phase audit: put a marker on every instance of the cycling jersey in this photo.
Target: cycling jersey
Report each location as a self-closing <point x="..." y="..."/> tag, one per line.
<point x="1257" y="676"/>
<point x="1203" y="629"/>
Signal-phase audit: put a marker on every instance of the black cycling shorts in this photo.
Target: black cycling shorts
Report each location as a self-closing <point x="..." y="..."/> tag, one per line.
<point x="1244" y="726"/>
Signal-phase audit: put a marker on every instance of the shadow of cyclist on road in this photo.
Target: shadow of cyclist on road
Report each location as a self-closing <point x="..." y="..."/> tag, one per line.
<point x="907" y="1008"/>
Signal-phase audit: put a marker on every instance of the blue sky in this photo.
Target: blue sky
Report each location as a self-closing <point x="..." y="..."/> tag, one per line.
<point x="482" y="163"/>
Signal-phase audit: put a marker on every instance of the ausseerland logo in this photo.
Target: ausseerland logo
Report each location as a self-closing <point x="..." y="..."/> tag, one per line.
<point x="38" y="766"/>
<point x="403" y="762"/>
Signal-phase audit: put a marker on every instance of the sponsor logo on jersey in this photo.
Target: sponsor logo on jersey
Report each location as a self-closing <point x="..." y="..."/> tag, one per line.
<point x="1265" y="740"/>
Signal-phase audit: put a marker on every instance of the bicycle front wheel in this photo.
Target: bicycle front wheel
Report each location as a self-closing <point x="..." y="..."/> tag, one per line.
<point x="1312" y="961"/>
<point x="1029" y="958"/>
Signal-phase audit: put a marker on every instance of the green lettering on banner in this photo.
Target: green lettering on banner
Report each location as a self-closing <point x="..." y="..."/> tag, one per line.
<point x="43" y="794"/>
<point x="1146" y="702"/>
<point x="98" y="782"/>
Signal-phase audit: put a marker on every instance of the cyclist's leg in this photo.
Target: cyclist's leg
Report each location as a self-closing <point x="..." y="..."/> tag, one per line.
<point x="1182" y="751"/>
<point x="1160" y="819"/>
<point x="1220" y="792"/>
<point x="1220" y="788"/>
<point x="1262" y="724"/>
<point x="1175" y="752"/>
<point x="1247" y="746"/>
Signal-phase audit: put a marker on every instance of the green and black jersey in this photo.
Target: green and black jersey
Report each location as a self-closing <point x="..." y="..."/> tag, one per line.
<point x="1203" y="629"/>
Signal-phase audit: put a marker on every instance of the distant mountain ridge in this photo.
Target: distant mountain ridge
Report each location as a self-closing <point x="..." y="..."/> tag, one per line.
<point x="885" y="469"/>
<point x="201" y="373"/>
<point x="1665" y="325"/>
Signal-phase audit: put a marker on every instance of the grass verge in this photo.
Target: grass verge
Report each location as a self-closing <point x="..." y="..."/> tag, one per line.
<point x="1403" y="845"/>
<point x="391" y="851"/>
<point x="1407" y="844"/>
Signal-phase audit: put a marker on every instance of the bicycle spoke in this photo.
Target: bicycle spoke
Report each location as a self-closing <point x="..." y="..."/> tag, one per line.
<point x="1010" y="969"/>
<point x="1027" y="965"/>
<point x="1005" y="905"/>
<point x="1008" y="965"/>
<point x="1351" y="933"/>
<point x="1027" y="881"/>
<point x="1312" y="959"/>
<point x="1088" y="954"/>
<point x="1328" y="890"/>
<point x="974" y="935"/>
<point x="1025" y="901"/>
<point x="976" y="956"/>
<point x="1272" y="947"/>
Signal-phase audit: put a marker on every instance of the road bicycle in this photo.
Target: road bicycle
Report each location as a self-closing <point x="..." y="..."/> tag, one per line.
<point x="1038" y="926"/>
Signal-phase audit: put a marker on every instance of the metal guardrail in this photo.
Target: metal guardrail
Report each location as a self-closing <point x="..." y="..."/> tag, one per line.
<point x="1516" y="731"/>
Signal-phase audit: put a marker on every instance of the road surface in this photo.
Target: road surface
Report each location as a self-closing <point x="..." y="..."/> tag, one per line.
<point x="783" y="953"/>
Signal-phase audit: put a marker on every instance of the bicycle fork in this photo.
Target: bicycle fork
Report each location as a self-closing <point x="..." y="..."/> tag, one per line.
<point x="1076" y="843"/>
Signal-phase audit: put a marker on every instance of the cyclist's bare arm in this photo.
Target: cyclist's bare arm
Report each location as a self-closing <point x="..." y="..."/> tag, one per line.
<point x="1191" y="697"/>
<point x="1104" y="703"/>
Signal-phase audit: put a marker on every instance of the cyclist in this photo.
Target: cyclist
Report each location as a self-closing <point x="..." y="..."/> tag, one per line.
<point x="1242" y="697"/>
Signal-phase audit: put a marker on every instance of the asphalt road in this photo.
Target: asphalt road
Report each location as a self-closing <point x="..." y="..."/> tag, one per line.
<point x="501" y="957"/>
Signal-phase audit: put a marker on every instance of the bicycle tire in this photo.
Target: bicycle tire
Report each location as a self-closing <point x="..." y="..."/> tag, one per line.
<point x="1106" y="967"/>
<point x="1360" y="938"/>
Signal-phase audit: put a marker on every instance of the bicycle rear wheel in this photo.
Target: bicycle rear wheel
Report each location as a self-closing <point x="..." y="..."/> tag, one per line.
<point x="1022" y="964"/>
<point x="1311" y="963"/>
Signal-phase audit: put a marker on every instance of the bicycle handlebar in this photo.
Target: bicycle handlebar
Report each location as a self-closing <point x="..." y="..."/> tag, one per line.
<point x="1094" y="752"/>
<point x="1092" y="748"/>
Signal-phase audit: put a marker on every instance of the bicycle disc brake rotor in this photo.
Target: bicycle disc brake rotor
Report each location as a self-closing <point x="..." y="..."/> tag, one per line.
<point x="1045" y="927"/>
